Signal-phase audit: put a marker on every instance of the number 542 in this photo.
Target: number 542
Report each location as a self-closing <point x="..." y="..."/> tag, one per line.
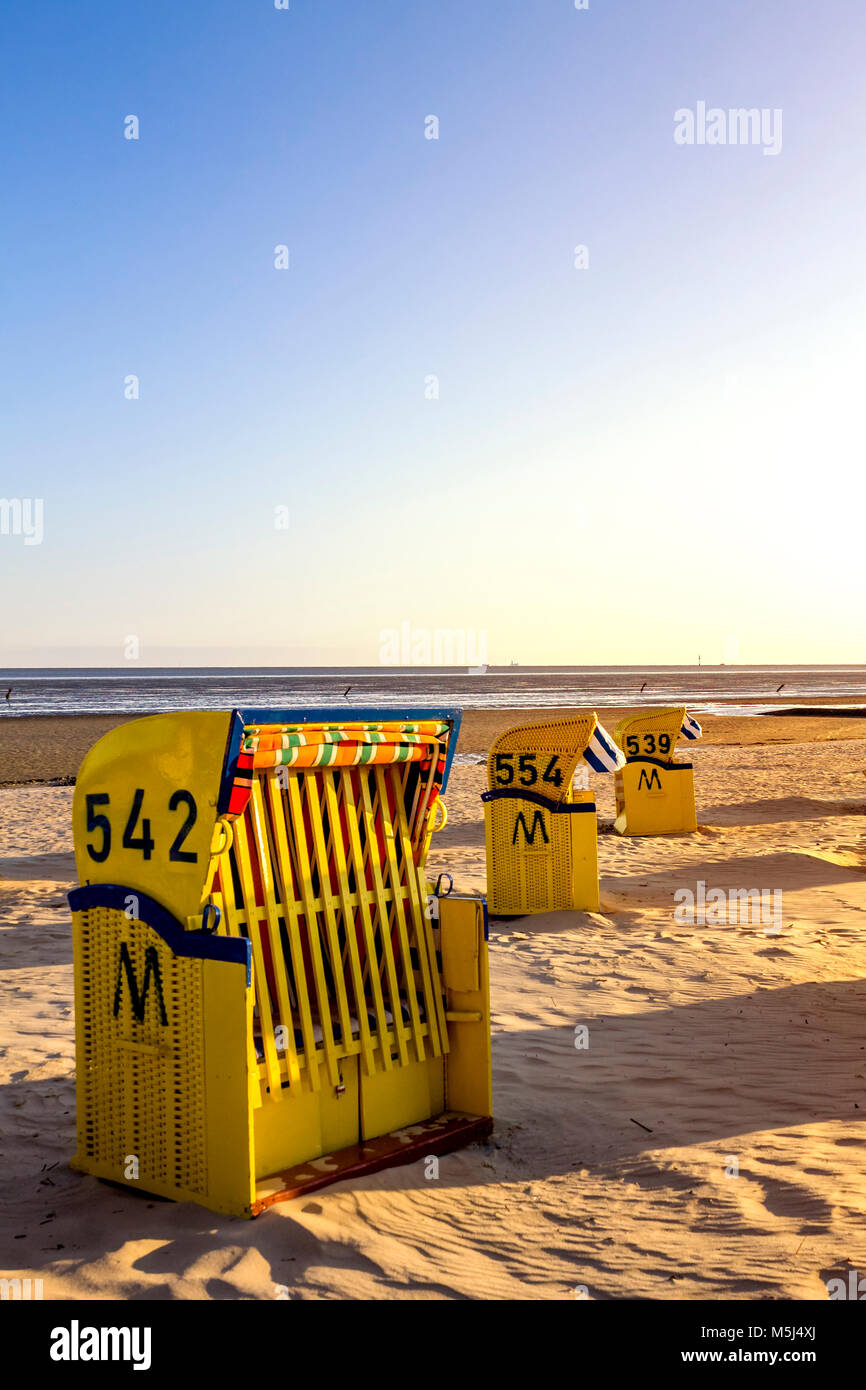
<point x="99" y="824"/>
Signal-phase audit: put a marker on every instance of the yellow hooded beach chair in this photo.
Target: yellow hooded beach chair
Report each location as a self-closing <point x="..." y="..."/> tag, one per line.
<point x="541" y="833"/>
<point x="655" y="794"/>
<point x="269" y="995"/>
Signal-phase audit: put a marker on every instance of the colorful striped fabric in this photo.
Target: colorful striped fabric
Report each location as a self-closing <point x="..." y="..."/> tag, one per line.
<point x="276" y="736"/>
<point x="341" y="733"/>
<point x="353" y="744"/>
<point x="342" y="754"/>
<point x="341" y="745"/>
<point x="691" y="728"/>
<point x="242" y="784"/>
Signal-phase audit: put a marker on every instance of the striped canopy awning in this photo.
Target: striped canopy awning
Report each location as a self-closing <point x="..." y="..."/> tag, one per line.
<point x="341" y="745"/>
<point x="350" y="744"/>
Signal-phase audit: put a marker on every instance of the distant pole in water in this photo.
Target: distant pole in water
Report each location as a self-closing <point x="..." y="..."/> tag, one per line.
<point x="8" y="692"/>
<point x="643" y="688"/>
<point x="780" y="687"/>
<point x="699" y="658"/>
<point x="346" y="692"/>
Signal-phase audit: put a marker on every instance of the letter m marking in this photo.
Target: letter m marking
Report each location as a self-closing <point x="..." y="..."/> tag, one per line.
<point x="139" y="997"/>
<point x="529" y="832"/>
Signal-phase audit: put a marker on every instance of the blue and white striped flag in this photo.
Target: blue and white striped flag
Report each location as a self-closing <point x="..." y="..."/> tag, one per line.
<point x="602" y="753"/>
<point x="691" y="728"/>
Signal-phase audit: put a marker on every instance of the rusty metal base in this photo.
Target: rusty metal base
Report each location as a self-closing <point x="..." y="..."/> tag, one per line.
<point x="443" y="1133"/>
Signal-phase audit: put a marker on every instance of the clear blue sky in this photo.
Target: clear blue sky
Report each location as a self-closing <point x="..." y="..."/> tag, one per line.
<point x="656" y="456"/>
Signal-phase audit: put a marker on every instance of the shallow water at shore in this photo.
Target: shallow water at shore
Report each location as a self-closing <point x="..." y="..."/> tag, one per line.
<point x="724" y="689"/>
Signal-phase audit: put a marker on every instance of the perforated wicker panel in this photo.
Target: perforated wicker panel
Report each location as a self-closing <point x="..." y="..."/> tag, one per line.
<point x="655" y="721"/>
<point x="531" y="864"/>
<point x="141" y="1077"/>
<point x="564" y="738"/>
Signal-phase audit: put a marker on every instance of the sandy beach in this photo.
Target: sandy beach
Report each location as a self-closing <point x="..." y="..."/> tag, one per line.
<point x="40" y="749"/>
<point x="707" y="1142"/>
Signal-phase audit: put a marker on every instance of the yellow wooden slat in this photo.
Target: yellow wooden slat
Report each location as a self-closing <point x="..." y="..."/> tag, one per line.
<point x="370" y="845"/>
<point x="313" y="789"/>
<point x="338" y="853"/>
<point x="420" y="825"/>
<point x="353" y="1050"/>
<point x="357" y="857"/>
<point x="390" y="893"/>
<point x="353" y="899"/>
<point x="420" y="796"/>
<point x="230" y="925"/>
<point x="278" y="964"/>
<point x="305" y="875"/>
<point x="420" y="801"/>
<point x="232" y="914"/>
<point x="242" y="854"/>
<point x="400" y="1030"/>
<point x="231" y="921"/>
<point x="370" y="850"/>
<point x="394" y="876"/>
<point x="426" y="962"/>
<point x="416" y="800"/>
<point x="283" y="870"/>
<point x="438" y="989"/>
<point x="345" y="898"/>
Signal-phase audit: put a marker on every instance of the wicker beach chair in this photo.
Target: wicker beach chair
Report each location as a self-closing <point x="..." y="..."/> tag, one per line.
<point x="655" y="794"/>
<point x="541" y="834"/>
<point x="264" y="976"/>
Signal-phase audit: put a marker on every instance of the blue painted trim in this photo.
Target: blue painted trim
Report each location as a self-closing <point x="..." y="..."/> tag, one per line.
<point x="230" y="761"/>
<point x="199" y="945"/>
<point x="557" y="807"/>
<point x="456" y="717"/>
<point x="657" y="762"/>
<point x="368" y="716"/>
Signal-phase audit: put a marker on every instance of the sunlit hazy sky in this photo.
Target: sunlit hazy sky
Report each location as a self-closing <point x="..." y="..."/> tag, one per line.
<point x="657" y="456"/>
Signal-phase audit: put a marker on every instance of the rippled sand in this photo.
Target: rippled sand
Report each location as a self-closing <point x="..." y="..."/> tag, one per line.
<point x="712" y="1051"/>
